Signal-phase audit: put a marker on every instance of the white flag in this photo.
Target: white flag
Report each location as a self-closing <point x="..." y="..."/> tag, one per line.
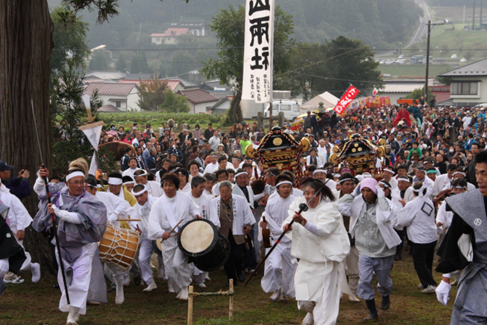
<point x="93" y="133"/>
<point x="258" y="51"/>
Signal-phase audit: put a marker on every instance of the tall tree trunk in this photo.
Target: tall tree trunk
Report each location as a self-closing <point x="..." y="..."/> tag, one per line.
<point x="25" y="50"/>
<point x="235" y="111"/>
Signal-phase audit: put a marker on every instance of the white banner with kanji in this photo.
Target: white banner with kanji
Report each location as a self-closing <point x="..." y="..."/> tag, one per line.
<point x="258" y="50"/>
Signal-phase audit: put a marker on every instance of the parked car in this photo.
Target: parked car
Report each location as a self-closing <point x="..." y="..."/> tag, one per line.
<point x="400" y="61"/>
<point x="454" y="56"/>
<point x="289" y="108"/>
<point x="390" y="61"/>
<point x="401" y="56"/>
<point x="463" y="60"/>
<point x="382" y="61"/>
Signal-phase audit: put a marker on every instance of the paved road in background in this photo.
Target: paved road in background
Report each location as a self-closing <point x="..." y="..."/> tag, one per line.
<point x="422" y="30"/>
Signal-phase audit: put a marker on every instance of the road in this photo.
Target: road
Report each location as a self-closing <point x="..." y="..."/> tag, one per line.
<point x="422" y="30"/>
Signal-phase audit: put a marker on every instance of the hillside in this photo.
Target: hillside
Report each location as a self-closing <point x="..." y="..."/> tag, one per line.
<point x="376" y="22"/>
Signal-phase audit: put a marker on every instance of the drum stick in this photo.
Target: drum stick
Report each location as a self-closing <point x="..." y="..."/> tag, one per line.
<point x="174" y="227"/>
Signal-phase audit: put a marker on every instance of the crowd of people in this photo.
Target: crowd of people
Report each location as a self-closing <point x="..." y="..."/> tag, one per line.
<point x="339" y="223"/>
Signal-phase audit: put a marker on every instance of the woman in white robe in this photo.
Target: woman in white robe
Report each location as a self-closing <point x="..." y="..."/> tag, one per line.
<point x="165" y="214"/>
<point x="320" y="241"/>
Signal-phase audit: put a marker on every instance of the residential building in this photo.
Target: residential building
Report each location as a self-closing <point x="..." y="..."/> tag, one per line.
<point x="123" y="96"/>
<point x="199" y="100"/>
<point x="468" y="86"/>
<point x="169" y="36"/>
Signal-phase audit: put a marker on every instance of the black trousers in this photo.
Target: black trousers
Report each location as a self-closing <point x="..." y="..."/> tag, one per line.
<point x="235" y="262"/>
<point x="423" y="262"/>
<point x="250" y="257"/>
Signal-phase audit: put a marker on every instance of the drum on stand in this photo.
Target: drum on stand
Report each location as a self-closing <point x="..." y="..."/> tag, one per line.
<point x="119" y="246"/>
<point x="204" y="245"/>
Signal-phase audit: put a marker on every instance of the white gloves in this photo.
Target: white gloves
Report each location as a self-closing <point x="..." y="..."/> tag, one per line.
<point x="71" y="217"/>
<point x="356" y="192"/>
<point x="443" y="292"/>
<point x="39" y="185"/>
<point x="4" y="266"/>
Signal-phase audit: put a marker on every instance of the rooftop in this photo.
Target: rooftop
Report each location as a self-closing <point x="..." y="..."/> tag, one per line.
<point x="477" y="68"/>
<point x="171" y="32"/>
<point x="401" y="87"/>
<point x="118" y="89"/>
<point x="198" y="96"/>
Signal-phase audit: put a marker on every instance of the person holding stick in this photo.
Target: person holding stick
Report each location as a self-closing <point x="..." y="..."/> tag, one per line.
<point x="80" y="221"/>
<point x="170" y="212"/>
<point x="320" y="241"/>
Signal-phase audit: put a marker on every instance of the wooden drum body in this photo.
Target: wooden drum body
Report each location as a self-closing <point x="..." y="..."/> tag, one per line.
<point x="204" y="245"/>
<point x="119" y="246"/>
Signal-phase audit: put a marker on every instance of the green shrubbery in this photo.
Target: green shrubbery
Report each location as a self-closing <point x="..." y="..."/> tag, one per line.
<point x="156" y="119"/>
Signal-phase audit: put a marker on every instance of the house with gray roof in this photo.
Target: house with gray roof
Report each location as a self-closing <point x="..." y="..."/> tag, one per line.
<point x="123" y="97"/>
<point x="469" y="84"/>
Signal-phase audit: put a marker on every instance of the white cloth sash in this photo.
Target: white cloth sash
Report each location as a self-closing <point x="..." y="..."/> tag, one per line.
<point x="166" y="206"/>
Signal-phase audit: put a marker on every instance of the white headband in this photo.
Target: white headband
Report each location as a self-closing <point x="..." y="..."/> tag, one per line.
<point x="390" y="171"/>
<point x="385" y="184"/>
<point x="336" y="175"/>
<point x="143" y="174"/>
<point x="74" y="174"/>
<point x="460" y="173"/>
<point x="114" y="181"/>
<point x="346" y="180"/>
<point x="460" y="187"/>
<point x="139" y="192"/>
<point x="241" y="173"/>
<point x="319" y="171"/>
<point x="284" y="182"/>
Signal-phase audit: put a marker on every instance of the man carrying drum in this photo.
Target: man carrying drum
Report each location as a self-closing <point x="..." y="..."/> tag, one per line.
<point x="168" y="214"/>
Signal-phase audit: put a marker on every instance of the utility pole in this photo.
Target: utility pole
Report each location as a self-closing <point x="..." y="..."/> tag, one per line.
<point x="428" y="55"/>
<point x="427" y="63"/>
<point x="473" y="16"/>
<point x="481" y="14"/>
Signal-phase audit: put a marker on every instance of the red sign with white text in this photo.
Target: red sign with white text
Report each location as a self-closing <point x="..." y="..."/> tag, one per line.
<point x="346" y="99"/>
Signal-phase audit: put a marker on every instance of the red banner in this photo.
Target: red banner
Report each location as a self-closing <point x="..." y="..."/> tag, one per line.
<point x="346" y="99"/>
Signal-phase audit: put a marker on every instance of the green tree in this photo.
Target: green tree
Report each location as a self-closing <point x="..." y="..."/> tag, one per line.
<point x="332" y="67"/>
<point x="139" y="64"/>
<point x="417" y="93"/>
<point x="69" y="39"/>
<point x="228" y="67"/>
<point x="468" y="55"/>
<point x="152" y="93"/>
<point x="174" y="103"/>
<point x="98" y="62"/>
<point x="121" y="64"/>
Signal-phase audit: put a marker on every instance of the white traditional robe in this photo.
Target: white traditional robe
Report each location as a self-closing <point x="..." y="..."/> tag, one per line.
<point x="408" y="195"/>
<point x="165" y="214"/>
<point x="19" y="219"/>
<point x="130" y="172"/>
<point x="186" y="189"/>
<point x="280" y="265"/>
<point x="204" y="204"/>
<point x="142" y="212"/>
<point x="418" y="216"/>
<point x="321" y="248"/>
<point x="154" y="188"/>
<point x="440" y="183"/>
<point x="296" y="192"/>
<point x="117" y="208"/>
<point x="210" y="168"/>
<point x="238" y="191"/>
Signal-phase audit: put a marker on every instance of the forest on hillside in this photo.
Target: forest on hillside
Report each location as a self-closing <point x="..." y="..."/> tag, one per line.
<point x="375" y="22"/>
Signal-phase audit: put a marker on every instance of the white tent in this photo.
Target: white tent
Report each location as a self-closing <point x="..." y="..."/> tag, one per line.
<point x="329" y="102"/>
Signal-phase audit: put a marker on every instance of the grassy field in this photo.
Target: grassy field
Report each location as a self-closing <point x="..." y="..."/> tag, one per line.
<point x="29" y="303"/>
<point x="414" y="70"/>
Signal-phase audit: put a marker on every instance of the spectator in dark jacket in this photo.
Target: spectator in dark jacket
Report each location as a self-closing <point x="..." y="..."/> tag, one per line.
<point x="18" y="186"/>
<point x="209" y="131"/>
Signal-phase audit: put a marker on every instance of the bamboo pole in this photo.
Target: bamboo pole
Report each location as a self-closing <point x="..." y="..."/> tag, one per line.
<point x="230" y="300"/>
<point x="190" y="305"/>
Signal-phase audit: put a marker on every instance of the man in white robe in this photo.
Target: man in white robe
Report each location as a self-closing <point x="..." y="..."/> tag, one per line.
<point x="213" y="165"/>
<point x="165" y="215"/>
<point x="279" y="266"/>
<point x="204" y="204"/>
<point x="117" y="208"/>
<point x="154" y="188"/>
<point x="443" y="179"/>
<point x="320" y="241"/>
<point x="19" y="220"/>
<point x="132" y="168"/>
<point x="142" y="211"/>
